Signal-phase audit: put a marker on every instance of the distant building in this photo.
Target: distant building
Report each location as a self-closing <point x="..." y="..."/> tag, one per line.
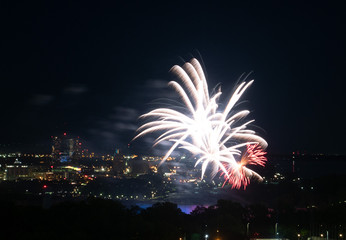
<point x="118" y="164"/>
<point x="64" y="149"/>
<point x="17" y="170"/>
<point x="139" y="167"/>
<point x="58" y="173"/>
<point x="66" y="173"/>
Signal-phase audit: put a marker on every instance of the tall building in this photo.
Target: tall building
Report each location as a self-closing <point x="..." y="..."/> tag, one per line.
<point x="56" y="146"/>
<point x="66" y="148"/>
<point x="118" y="164"/>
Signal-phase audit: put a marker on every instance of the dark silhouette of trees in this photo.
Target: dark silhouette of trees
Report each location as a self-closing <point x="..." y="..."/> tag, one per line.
<point x="107" y="219"/>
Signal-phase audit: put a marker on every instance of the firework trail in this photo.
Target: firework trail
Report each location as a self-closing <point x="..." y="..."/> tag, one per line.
<point x="214" y="136"/>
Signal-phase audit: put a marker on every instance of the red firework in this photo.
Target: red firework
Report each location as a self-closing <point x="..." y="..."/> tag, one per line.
<point x="254" y="155"/>
<point x="239" y="175"/>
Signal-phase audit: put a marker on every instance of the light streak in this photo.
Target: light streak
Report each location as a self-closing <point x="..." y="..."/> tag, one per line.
<point x="213" y="135"/>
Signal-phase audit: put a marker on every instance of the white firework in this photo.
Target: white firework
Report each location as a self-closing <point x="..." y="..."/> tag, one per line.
<point x="210" y="134"/>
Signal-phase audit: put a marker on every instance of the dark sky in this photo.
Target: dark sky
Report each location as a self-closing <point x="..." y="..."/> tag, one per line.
<point x="91" y="68"/>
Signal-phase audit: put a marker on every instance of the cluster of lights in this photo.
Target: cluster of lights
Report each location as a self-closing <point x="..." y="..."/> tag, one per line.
<point x="10" y="155"/>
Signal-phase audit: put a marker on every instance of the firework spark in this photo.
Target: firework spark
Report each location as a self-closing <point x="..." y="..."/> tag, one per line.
<point x="254" y="156"/>
<point x="214" y="136"/>
<point x="239" y="175"/>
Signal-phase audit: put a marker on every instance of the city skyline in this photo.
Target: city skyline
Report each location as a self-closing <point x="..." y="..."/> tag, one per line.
<point x="92" y="69"/>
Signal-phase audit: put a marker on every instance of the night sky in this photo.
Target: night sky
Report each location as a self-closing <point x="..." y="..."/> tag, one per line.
<point x="91" y="68"/>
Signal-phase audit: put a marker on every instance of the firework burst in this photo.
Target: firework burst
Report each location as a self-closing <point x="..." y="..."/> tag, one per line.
<point x="213" y="135"/>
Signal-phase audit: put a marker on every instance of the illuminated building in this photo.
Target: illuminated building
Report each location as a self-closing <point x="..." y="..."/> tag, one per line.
<point x="16" y="171"/>
<point x="58" y="173"/>
<point x="56" y="146"/>
<point x="66" y="173"/>
<point x="64" y="148"/>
